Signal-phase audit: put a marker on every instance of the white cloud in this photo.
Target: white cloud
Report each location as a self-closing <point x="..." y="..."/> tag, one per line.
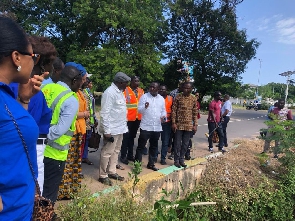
<point x="275" y="28"/>
<point x="286" y="31"/>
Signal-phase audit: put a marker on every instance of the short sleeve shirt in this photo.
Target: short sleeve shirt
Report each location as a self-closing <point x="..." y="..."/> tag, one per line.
<point x="215" y="106"/>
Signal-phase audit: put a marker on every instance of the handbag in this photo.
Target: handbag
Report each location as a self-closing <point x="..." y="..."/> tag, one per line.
<point x="215" y="138"/>
<point x="94" y="140"/>
<point x="43" y="208"/>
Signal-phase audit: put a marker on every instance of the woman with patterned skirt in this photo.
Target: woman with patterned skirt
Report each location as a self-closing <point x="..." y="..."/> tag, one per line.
<point x="71" y="182"/>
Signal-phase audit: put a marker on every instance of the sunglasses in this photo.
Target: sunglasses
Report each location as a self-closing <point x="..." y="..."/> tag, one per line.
<point x="35" y="57"/>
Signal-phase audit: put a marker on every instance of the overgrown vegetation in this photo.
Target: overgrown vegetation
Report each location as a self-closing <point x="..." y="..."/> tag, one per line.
<point x="245" y="185"/>
<point x="114" y="206"/>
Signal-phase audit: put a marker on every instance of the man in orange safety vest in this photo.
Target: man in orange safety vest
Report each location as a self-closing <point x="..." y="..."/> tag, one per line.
<point x="132" y="95"/>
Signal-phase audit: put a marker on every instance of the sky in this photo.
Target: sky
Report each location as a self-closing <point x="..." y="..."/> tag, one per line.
<point x="272" y="23"/>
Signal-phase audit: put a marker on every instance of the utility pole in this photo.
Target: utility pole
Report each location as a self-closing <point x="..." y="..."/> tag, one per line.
<point x="257" y="92"/>
<point x="288" y="75"/>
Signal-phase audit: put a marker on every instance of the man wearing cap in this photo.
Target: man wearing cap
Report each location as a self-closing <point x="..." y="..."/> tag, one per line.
<point x="113" y="124"/>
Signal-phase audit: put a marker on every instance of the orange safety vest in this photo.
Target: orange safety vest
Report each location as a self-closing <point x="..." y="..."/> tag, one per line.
<point x="132" y="103"/>
<point x="168" y="106"/>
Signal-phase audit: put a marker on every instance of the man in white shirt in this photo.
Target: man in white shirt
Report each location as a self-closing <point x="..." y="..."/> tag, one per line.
<point x="152" y="107"/>
<point x="226" y="111"/>
<point x="113" y="124"/>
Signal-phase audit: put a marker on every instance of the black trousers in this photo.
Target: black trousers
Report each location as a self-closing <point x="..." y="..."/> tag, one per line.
<point x="181" y="143"/>
<point x="128" y="139"/>
<point x="144" y="136"/>
<point x="224" y="126"/>
<point x="211" y="127"/>
<point x="53" y="172"/>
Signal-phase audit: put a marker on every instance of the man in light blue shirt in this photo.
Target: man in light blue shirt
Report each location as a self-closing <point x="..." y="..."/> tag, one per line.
<point x="152" y="107"/>
<point x="226" y="111"/>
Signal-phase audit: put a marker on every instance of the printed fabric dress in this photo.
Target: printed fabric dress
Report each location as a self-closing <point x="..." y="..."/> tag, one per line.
<point x="71" y="182"/>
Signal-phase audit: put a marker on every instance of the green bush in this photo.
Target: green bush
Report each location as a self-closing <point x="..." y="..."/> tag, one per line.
<point x="264" y="106"/>
<point x="113" y="206"/>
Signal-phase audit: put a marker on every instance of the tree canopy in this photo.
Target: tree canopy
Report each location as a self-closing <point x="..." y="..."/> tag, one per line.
<point x="207" y="36"/>
<point x="136" y="37"/>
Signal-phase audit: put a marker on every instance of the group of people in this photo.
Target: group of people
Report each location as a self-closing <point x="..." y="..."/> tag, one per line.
<point x="155" y="113"/>
<point x="44" y="125"/>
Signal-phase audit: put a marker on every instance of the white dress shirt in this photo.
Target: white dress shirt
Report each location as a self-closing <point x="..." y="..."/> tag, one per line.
<point x="227" y="106"/>
<point x="151" y="116"/>
<point x="113" y="114"/>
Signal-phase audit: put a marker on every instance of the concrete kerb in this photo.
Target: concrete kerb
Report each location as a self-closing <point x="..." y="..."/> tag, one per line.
<point x="177" y="181"/>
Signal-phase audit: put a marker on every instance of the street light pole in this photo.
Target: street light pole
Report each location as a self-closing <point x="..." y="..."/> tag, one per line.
<point x="288" y="75"/>
<point x="257" y="92"/>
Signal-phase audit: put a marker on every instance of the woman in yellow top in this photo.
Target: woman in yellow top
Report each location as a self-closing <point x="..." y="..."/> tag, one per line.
<point x="71" y="182"/>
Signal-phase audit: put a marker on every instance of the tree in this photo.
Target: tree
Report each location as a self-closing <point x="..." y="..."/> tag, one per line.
<point x="126" y="34"/>
<point x="207" y="36"/>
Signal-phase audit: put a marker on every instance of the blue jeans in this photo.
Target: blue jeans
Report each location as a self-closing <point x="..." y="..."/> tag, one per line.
<point x="165" y="136"/>
<point x="181" y="142"/>
<point x="224" y="126"/>
<point x="211" y="127"/>
<point x="153" y="137"/>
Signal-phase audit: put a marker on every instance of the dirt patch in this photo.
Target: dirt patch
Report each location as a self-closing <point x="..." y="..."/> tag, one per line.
<point x="241" y="167"/>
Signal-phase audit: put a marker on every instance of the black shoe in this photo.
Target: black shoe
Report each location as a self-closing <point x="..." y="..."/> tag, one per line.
<point x="188" y="157"/>
<point x="131" y="159"/>
<point x="177" y="165"/>
<point x="163" y="162"/>
<point x="226" y="145"/>
<point x="183" y="165"/>
<point x="105" y="181"/>
<point x="116" y="177"/>
<point x="152" y="167"/>
<point x="124" y="160"/>
<point x="222" y="150"/>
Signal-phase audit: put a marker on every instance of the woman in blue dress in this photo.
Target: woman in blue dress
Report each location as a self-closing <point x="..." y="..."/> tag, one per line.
<point x="17" y="187"/>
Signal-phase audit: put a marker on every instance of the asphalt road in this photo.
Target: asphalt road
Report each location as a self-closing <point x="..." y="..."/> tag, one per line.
<point x="243" y="124"/>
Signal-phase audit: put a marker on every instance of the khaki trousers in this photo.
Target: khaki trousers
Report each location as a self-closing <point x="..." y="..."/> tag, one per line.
<point x="109" y="156"/>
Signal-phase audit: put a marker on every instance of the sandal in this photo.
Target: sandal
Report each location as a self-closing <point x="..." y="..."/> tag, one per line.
<point x="119" y="167"/>
<point x="87" y="161"/>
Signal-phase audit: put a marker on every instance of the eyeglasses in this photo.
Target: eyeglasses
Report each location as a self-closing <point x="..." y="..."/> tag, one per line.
<point x="35" y="57"/>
